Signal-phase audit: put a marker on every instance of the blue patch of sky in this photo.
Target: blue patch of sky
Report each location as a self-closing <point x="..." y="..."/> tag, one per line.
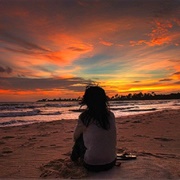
<point x="108" y="68"/>
<point x="160" y="73"/>
<point x="97" y="59"/>
<point x="100" y="70"/>
<point x="103" y="64"/>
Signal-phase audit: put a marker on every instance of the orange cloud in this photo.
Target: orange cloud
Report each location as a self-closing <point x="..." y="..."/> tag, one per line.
<point x="69" y="54"/>
<point x="105" y="43"/>
<point x="176" y="75"/>
<point x="160" y="34"/>
<point x="70" y="48"/>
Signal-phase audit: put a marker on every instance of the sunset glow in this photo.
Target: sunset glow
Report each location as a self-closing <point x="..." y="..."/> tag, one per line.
<point x="52" y="49"/>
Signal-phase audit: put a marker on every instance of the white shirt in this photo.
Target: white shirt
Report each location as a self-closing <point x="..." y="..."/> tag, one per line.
<point x="100" y="143"/>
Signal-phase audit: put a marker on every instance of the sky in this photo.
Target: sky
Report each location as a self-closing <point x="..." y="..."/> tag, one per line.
<point x="55" y="48"/>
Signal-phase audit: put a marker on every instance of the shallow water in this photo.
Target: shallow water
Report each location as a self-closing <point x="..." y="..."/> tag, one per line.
<point x="15" y="113"/>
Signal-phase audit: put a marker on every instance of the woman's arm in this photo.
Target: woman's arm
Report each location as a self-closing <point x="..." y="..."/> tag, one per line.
<point x="80" y="128"/>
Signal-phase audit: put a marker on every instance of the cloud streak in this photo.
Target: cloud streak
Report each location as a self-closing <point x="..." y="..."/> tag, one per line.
<point x="74" y="84"/>
<point x="7" y="70"/>
<point x="22" y="43"/>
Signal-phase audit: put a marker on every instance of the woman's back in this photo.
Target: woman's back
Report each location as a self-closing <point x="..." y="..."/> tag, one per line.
<point x="100" y="143"/>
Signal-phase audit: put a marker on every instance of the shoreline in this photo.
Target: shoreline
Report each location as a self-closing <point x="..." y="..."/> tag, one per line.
<point x="135" y="112"/>
<point x="28" y="113"/>
<point x="154" y="137"/>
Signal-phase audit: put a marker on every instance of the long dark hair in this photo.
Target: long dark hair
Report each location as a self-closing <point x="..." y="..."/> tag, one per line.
<point x="97" y="107"/>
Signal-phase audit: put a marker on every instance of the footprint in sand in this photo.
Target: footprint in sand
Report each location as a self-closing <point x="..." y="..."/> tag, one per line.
<point x="6" y="150"/>
<point x="53" y="145"/>
<point x="123" y="122"/>
<point x="67" y="154"/>
<point x="164" y="139"/>
<point x="137" y="121"/>
<point x="125" y="140"/>
<point x="8" y="137"/>
<point x="2" y="143"/>
<point x="143" y="136"/>
<point x="54" y="132"/>
<point x="44" y="135"/>
<point x="69" y="131"/>
<point x="27" y="144"/>
<point x="32" y="139"/>
<point x="159" y="155"/>
<point x="42" y="146"/>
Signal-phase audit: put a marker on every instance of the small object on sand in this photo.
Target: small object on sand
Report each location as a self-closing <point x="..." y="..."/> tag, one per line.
<point x="126" y="156"/>
<point x="118" y="164"/>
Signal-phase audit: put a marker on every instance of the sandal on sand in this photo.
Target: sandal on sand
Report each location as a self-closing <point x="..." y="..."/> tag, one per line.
<point x="126" y="156"/>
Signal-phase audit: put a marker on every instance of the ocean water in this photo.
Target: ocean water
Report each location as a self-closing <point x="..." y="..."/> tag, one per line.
<point x="21" y="113"/>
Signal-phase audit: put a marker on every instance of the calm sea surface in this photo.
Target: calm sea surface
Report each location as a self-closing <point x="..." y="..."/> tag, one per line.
<point x="13" y="114"/>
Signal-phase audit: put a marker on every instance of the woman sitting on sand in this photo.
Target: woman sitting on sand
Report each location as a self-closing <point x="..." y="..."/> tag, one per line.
<point x="95" y="133"/>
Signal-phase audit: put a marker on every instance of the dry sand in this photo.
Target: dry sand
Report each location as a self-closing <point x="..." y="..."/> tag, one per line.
<point x="42" y="150"/>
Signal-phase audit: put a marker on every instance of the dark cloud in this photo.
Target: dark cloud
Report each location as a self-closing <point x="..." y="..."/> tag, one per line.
<point x="7" y="70"/>
<point x="75" y="84"/>
<point x="175" y="60"/>
<point x="136" y="81"/>
<point x="43" y="68"/>
<point x="166" y="7"/>
<point x="176" y="73"/>
<point x="178" y="82"/>
<point x="78" y="13"/>
<point x="23" y="43"/>
<point x="158" y="7"/>
<point x="18" y="50"/>
<point x="77" y="49"/>
<point x="161" y="80"/>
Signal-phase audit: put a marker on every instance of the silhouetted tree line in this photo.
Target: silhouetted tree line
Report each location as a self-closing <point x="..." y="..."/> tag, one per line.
<point x="145" y="96"/>
<point x="135" y="96"/>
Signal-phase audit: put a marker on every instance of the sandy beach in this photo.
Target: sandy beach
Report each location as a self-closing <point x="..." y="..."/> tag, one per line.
<point x="42" y="150"/>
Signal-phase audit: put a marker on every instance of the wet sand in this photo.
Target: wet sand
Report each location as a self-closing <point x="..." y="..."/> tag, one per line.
<point x="42" y="150"/>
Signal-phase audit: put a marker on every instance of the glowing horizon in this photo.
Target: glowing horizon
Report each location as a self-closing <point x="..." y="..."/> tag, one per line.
<point x="51" y="49"/>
